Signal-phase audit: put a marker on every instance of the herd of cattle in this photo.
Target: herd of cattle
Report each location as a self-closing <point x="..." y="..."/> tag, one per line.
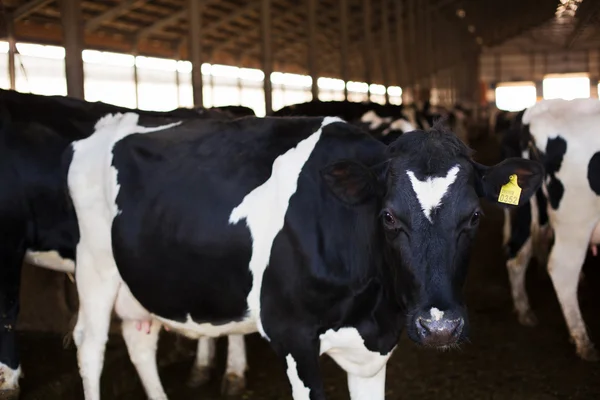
<point x="329" y="227"/>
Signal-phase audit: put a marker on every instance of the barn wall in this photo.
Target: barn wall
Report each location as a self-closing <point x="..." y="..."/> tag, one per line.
<point x="497" y="67"/>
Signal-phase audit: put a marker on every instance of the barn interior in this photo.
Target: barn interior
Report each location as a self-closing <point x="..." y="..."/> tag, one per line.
<point x="164" y="54"/>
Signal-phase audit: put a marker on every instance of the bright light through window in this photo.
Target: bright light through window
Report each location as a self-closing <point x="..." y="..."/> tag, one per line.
<point x="515" y="96"/>
<point x="394" y="91"/>
<point x="377" y="89"/>
<point x="566" y="86"/>
<point x="360" y="87"/>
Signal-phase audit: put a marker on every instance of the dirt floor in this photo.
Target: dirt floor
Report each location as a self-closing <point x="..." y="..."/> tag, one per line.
<point x="502" y="361"/>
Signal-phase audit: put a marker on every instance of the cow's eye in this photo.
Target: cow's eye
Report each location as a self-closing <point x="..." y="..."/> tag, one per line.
<point x="475" y="218"/>
<point x="388" y="219"/>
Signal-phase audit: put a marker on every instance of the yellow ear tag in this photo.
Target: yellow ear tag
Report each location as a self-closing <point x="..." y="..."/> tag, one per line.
<point x="511" y="192"/>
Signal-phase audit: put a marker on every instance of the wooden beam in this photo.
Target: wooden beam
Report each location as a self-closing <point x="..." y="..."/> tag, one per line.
<point x="160" y="24"/>
<point x="267" y="53"/>
<point x="312" y="47"/>
<point x="228" y="19"/>
<point x="368" y="44"/>
<point x="194" y="10"/>
<point x="94" y="23"/>
<point x="28" y="8"/>
<point x="72" y="23"/>
<point x="586" y="14"/>
<point x="400" y="50"/>
<point x="385" y="47"/>
<point x="344" y="45"/>
<point x="411" y="52"/>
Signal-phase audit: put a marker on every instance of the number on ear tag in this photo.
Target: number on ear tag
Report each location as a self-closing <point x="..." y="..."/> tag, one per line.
<point x="511" y="192"/>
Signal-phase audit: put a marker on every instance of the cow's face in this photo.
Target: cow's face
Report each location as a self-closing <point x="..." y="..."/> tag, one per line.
<point x="427" y="193"/>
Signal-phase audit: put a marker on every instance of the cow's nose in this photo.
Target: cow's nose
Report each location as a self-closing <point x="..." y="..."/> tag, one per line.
<point x="439" y="331"/>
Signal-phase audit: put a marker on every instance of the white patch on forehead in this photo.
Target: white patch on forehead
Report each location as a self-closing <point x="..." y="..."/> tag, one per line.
<point x="431" y="191"/>
<point x="265" y="207"/>
<point x="436" y="314"/>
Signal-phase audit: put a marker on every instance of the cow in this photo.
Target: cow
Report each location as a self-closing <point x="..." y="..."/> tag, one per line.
<point x="386" y="122"/>
<point x="36" y="224"/>
<point x="305" y="229"/>
<point x="526" y="232"/>
<point x="563" y="135"/>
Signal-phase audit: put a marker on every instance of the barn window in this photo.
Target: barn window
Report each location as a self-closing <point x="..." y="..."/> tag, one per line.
<point x="515" y="96"/>
<point x="566" y="86"/>
<point x="395" y="94"/>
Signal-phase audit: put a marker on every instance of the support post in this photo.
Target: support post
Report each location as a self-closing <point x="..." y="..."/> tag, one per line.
<point x="385" y="47"/>
<point x="195" y="49"/>
<point x="400" y="47"/>
<point x="312" y="47"/>
<point x="136" y="81"/>
<point x="344" y="45"/>
<point x="411" y="54"/>
<point x="72" y="23"/>
<point x="368" y="54"/>
<point x="267" y="53"/>
<point x="12" y="50"/>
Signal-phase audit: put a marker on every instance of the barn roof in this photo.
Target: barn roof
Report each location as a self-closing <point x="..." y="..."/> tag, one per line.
<point x="231" y="28"/>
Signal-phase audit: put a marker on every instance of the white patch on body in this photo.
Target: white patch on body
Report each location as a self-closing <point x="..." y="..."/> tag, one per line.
<point x="374" y="120"/>
<point x="365" y="368"/>
<point x="399" y="125"/>
<point x="299" y="391"/>
<point x="436" y="314"/>
<point x="49" y="259"/>
<point x="10" y="377"/>
<point x="265" y="207"/>
<point x="431" y="191"/>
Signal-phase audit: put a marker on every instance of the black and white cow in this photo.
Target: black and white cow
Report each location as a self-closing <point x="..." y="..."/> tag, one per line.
<point x="564" y="135"/>
<point x="36" y="223"/>
<point x="307" y="230"/>
<point x="385" y="122"/>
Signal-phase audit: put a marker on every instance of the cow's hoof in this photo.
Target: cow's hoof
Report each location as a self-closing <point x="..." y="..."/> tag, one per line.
<point x="10" y="394"/>
<point x="199" y="376"/>
<point x="528" y="319"/>
<point x="588" y="353"/>
<point x="233" y="385"/>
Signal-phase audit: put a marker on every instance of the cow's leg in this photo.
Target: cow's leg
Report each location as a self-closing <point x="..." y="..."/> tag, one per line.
<point x="141" y="345"/>
<point x="366" y="369"/>
<point x="304" y="375"/>
<point x="97" y="294"/>
<point x="564" y="266"/>
<point x="367" y="388"/>
<point x="10" y="369"/>
<point x="203" y="364"/>
<point x="234" y="381"/>
<point x="300" y="353"/>
<point x="517" y="269"/>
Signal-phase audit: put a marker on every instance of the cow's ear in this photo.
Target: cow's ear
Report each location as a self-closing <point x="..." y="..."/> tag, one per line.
<point x="352" y="182"/>
<point x="511" y="182"/>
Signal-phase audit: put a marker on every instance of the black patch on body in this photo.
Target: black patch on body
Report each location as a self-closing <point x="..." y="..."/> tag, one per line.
<point x="553" y="158"/>
<point x="593" y="173"/>
<point x="520" y="230"/>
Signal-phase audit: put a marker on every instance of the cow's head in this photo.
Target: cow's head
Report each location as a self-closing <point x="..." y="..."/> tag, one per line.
<point x="427" y="192"/>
